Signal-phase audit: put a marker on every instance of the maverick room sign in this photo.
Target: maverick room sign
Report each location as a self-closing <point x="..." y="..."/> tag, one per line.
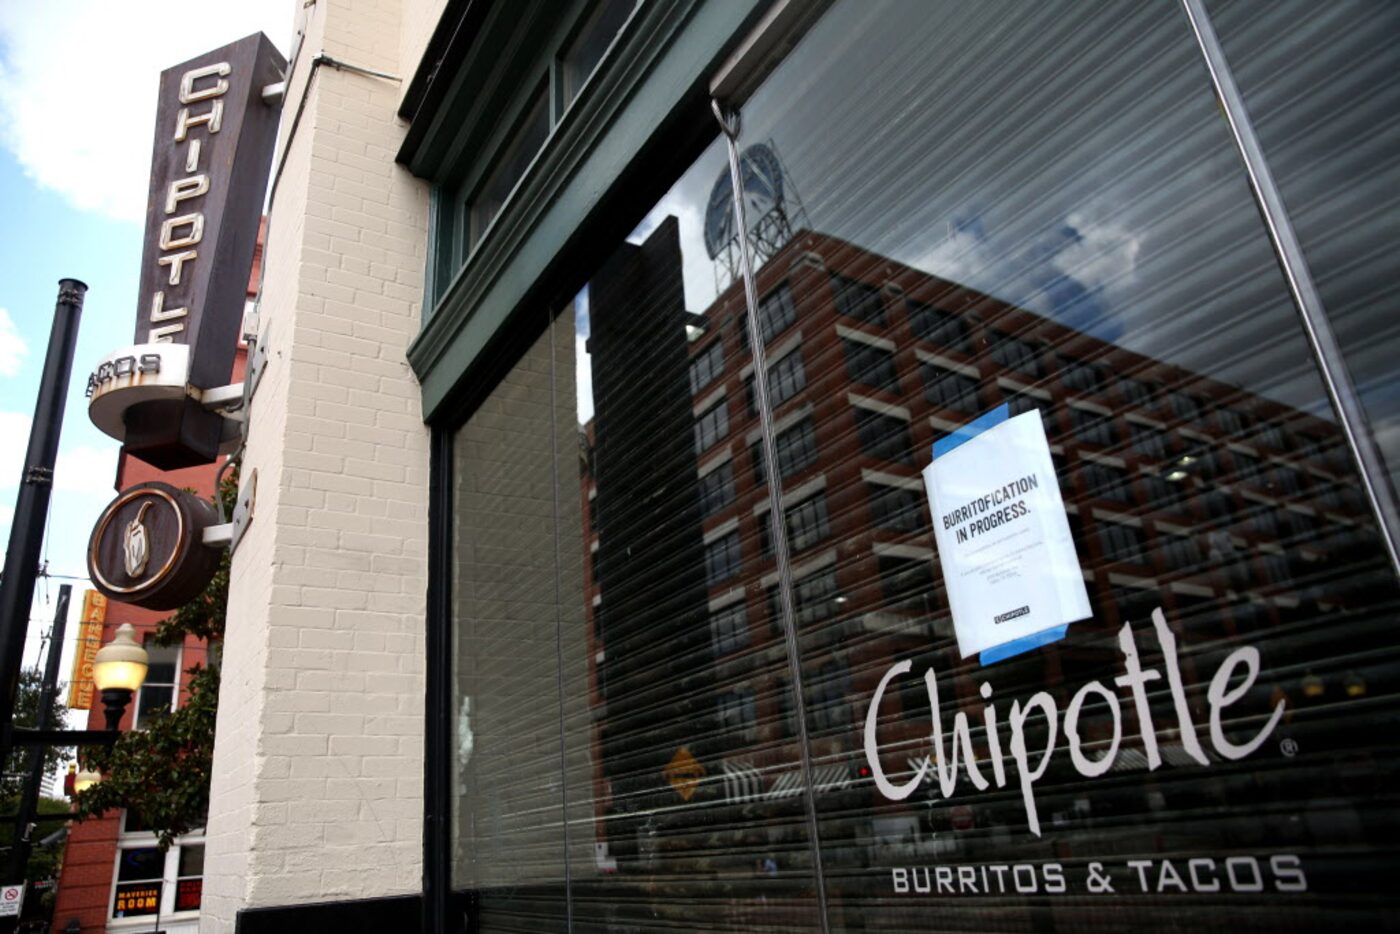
<point x="213" y="145"/>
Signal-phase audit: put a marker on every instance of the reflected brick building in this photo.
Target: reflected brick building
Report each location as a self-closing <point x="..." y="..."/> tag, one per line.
<point x="1224" y="508"/>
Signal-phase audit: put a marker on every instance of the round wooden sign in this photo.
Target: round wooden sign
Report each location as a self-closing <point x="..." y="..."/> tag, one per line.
<point x="148" y="549"/>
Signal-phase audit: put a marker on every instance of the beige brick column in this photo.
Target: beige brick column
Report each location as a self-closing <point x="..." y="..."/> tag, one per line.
<point x="317" y="789"/>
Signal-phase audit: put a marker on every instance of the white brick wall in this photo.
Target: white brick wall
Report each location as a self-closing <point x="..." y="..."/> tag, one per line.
<point x="317" y="791"/>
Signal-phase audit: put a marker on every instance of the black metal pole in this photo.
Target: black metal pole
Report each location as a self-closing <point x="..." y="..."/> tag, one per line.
<point x="29" y="797"/>
<point x="32" y="503"/>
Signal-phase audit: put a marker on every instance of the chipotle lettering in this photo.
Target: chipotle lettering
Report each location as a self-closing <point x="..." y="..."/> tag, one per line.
<point x="1242" y="664"/>
<point x="209" y="165"/>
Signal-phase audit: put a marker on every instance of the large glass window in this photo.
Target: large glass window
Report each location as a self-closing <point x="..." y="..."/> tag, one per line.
<point x="711" y="425"/>
<point x="1322" y="86"/>
<point x="896" y="509"/>
<point x="871" y="365"/>
<point x="618" y="720"/>
<point x="138" y="889"/>
<point x="948" y="389"/>
<point x="807" y="523"/>
<point x="150" y="881"/>
<point x="958" y="207"/>
<point x="1051" y="211"/>
<point x="786" y="378"/>
<point x="730" y="627"/>
<point x="722" y="559"/>
<point x="717" y="488"/>
<point x="706" y="366"/>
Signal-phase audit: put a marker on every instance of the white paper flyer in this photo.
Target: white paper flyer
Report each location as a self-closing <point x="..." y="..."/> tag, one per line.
<point x="1004" y="543"/>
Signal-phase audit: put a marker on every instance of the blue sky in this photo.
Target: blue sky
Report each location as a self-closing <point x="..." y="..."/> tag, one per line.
<point x="75" y="145"/>
<point x="44" y="240"/>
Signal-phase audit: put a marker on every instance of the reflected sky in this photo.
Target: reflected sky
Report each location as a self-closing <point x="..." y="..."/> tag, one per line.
<point x="1072" y="166"/>
<point x="1066" y="162"/>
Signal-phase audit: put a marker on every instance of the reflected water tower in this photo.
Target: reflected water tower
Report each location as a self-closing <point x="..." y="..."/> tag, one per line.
<point x="765" y="189"/>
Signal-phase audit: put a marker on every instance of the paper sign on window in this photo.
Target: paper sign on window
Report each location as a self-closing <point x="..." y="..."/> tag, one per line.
<point x="1009" y="564"/>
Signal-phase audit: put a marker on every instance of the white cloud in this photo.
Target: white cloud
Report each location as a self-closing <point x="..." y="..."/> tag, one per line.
<point x="583" y="379"/>
<point x="686" y="201"/>
<point x="81" y="468"/>
<point x="78" y="86"/>
<point x="83" y="478"/>
<point x="13" y="349"/>
<point x="14" y="426"/>
<point x="87" y="469"/>
<point x="1087" y="250"/>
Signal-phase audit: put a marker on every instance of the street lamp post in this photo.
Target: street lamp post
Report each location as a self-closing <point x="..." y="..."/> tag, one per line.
<point x="85" y="779"/>
<point x="32" y="503"/>
<point x="118" y="671"/>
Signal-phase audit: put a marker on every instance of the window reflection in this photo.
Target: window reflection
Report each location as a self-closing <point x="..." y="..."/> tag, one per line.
<point x="1061" y="227"/>
<point x="586" y="50"/>
<point x="516" y="155"/>
<point x="1324" y="119"/>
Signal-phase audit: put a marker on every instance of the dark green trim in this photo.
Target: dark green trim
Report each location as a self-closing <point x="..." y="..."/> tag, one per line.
<point x="511" y="45"/>
<point x="454" y="32"/>
<point x="648" y="106"/>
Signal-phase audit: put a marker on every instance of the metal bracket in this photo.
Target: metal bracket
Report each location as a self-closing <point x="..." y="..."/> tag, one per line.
<point x="38" y="476"/>
<point x="272" y="94"/>
<point x="243" y="509"/>
<point x="222" y="397"/>
<point x="231" y="533"/>
<point x="250" y="322"/>
<point x="257" y="361"/>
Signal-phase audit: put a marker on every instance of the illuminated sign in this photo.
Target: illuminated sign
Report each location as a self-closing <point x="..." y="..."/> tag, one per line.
<point x="89" y="641"/>
<point x="136" y="898"/>
<point x="188" y="894"/>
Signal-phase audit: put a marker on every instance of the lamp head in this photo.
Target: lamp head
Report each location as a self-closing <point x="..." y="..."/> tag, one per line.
<point x="121" y="663"/>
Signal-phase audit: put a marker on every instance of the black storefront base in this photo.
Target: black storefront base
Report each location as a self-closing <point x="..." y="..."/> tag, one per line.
<point x="368" y="915"/>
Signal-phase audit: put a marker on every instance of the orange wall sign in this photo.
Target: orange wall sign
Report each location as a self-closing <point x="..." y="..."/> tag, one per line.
<point x="89" y="641"/>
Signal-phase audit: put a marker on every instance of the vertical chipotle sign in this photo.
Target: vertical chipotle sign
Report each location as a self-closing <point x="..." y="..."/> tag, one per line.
<point x="213" y="145"/>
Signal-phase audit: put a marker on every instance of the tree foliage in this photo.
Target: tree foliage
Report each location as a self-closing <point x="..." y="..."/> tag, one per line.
<point x="162" y="770"/>
<point x="44" y="861"/>
<point x="202" y="617"/>
<point x="27" y="700"/>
